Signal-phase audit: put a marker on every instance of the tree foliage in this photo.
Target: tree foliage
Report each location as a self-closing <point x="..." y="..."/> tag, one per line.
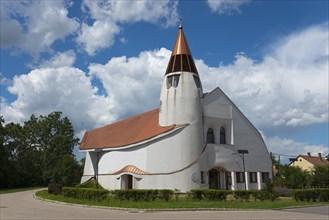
<point x="295" y="178"/>
<point x="32" y="153"/>
<point x="320" y="176"/>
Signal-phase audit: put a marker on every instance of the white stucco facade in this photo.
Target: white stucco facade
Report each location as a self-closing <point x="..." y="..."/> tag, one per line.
<point x="202" y="151"/>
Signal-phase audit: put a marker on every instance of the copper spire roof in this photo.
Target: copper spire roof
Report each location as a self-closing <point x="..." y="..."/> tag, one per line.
<point x="181" y="56"/>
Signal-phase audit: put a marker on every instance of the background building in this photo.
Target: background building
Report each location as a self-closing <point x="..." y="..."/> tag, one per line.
<point x="308" y="162"/>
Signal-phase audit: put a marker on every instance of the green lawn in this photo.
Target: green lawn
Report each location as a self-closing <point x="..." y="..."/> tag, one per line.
<point x="13" y="190"/>
<point x="182" y="203"/>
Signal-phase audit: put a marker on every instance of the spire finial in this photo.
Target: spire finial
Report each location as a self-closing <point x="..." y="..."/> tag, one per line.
<point x="180" y="23"/>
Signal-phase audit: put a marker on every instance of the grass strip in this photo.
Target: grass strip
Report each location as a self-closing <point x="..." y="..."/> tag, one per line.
<point x="182" y="203"/>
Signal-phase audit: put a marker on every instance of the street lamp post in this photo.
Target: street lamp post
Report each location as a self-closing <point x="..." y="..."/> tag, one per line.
<point x="243" y="152"/>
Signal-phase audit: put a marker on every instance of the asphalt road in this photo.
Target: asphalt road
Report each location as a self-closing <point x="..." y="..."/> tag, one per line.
<point x="23" y="205"/>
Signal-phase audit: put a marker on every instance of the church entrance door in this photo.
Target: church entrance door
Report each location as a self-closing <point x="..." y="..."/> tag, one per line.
<point x="214" y="179"/>
<point x="126" y="181"/>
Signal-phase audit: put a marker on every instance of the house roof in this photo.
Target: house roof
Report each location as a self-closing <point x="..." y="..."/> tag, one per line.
<point x="126" y="132"/>
<point x="315" y="160"/>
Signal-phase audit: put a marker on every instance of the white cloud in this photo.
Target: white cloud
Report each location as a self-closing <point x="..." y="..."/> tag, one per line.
<point x="289" y="87"/>
<point x="164" y="11"/>
<point x="63" y="89"/>
<point x="271" y="92"/>
<point x="108" y="15"/>
<point x="98" y="36"/>
<point x="292" y="148"/>
<point x="60" y="59"/>
<point x="133" y="83"/>
<point x="10" y="30"/>
<point x="42" y="24"/>
<point x="226" y="6"/>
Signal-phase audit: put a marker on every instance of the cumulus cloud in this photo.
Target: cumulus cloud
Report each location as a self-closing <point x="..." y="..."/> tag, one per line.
<point x="271" y="92"/>
<point x="60" y="59"/>
<point x="10" y="30"/>
<point x="133" y="83"/>
<point x="65" y="89"/>
<point x="289" y="87"/>
<point x="226" y="6"/>
<point x="107" y="16"/>
<point x="292" y="148"/>
<point x="35" y="25"/>
<point x="98" y="36"/>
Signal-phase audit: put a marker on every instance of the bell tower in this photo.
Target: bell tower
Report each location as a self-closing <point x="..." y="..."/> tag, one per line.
<point x="180" y="99"/>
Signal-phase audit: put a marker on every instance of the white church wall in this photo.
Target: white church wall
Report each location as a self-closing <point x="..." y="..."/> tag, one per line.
<point x="90" y="166"/>
<point x="112" y="161"/>
<point x="180" y="105"/>
<point x="240" y="134"/>
<point x="182" y="148"/>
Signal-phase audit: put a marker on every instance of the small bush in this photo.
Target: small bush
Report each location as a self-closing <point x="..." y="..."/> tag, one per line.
<point x="213" y="194"/>
<point x="323" y="195"/>
<point x="54" y="188"/>
<point x="165" y="194"/>
<point x="142" y="194"/>
<point x="311" y="195"/>
<point x="91" y="184"/>
<point x="196" y="194"/>
<point x="84" y="193"/>
<point x="242" y="195"/>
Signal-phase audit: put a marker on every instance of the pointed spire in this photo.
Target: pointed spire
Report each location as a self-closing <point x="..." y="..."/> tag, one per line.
<point x="181" y="56"/>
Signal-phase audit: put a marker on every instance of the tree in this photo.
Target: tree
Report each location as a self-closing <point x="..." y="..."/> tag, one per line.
<point x="30" y="154"/>
<point x="320" y="177"/>
<point x="291" y="177"/>
<point x="67" y="172"/>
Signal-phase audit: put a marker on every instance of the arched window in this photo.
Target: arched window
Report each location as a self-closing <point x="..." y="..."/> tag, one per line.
<point x="222" y="139"/>
<point x="210" y="136"/>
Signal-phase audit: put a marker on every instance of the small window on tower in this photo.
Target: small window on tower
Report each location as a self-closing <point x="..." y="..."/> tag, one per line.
<point x="172" y="81"/>
<point x="169" y="82"/>
<point x="176" y="80"/>
<point x="197" y="81"/>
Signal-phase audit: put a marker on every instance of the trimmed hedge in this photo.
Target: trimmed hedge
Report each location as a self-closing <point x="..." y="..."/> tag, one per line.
<point x="221" y="195"/>
<point x="311" y="195"/>
<point x="85" y="193"/>
<point x="91" y="184"/>
<point x="143" y="194"/>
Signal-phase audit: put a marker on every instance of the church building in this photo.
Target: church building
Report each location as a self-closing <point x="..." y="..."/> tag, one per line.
<point x="193" y="140"/>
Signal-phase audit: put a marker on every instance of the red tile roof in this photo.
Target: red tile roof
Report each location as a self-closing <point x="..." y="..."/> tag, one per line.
<point x="316" y="160"/>
<point x="126" y="132"/>
<point x="131" y="169"/>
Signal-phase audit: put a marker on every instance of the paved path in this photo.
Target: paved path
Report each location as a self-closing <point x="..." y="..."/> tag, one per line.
<point x="23" y="205"/>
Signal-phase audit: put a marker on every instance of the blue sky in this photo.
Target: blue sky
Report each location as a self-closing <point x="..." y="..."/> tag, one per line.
<point x="102" y="61"/>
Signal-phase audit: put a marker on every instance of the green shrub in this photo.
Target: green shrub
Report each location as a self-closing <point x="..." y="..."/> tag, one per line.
<point x="165" y="194"/>
<point x="323" y="195"/>
<point x="142" y="194"/>
<point x="54" y="188"/>
<point x="213" y="194"/>
<point x="264" y="195"/>
<point x="91" y="184"/>
<point x="196" y="194"/>
<point x="311" y="195"/>
<point x="242" y="195"/>
<point x="84" y="193"/>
